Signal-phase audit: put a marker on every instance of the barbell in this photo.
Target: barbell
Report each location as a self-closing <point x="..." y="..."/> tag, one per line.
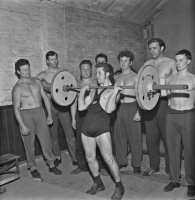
<point x="64" y="87"/>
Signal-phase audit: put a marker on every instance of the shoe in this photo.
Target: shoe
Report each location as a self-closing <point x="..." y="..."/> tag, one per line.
<point x="103" y="172"/>
<point x="36" y="175"/>
<point x="96" y="188"/>
<point x="2" y="190"/>
<point x="171" y="186"/>
<point x="149" y="171"/>
<point x="55" y="170"/>
<point x="137" y="170"/>
<point x="118" y="193"/>
<point x="57" y="162"/>
<point x="77" y="171"/>
<point x="191" y="191"/>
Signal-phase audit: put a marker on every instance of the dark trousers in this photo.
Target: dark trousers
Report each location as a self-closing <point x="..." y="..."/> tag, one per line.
<point x="181" y="126"/>
<point x="127" y="131"/>
<point x="61" y="114"/>
<point x="80" y="154"/>
<point x="155" y="125"/>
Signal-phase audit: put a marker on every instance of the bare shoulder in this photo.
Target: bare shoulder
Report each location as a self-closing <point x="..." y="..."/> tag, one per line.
<point x="42" y="74"/>
<point x="37" y="81"/>
<point x="17" y="87"/>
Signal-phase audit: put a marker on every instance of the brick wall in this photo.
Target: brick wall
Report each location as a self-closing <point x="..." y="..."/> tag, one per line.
<point x="28" y="29"/>
<point x="90" y="33"/>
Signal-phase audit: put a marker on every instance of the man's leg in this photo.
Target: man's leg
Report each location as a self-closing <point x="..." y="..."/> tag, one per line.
<point x="161" y="118"/>
<point x="45" y="140"/>
<point x="105" y="146"/>
<point x="89" y="145"/>
<point x="152" y="140"/>
<point x="65" y="121"/>
<point x="134" y="137"/>
<point x="120" y="139"/>
<point x="173" y="127"/>
<point x="188" y="138"/>
<point x="29" y="142"/>
<point x="80" y="154"/>
<point x="54" y="134"/>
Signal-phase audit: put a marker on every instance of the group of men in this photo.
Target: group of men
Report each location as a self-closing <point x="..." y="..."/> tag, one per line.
<point x="106" y="118"/>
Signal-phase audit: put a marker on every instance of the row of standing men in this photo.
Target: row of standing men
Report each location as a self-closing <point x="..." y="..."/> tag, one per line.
<point x="125" y="128"/>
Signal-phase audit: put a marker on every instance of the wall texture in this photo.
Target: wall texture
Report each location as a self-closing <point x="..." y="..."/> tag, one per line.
<point x="176" y="25"/>
<point x="28" y="29"/>
<point x="89" y="34"/>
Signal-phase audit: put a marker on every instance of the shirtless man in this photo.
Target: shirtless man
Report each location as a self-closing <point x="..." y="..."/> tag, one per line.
<point x="27" y="101"/>
<point x="126" y="130"/>
<point x="180" y="124"/>
<point x="155" y="119"/>
<point x="59" y="113"/>
<point x="85" y="79"/>
<point x="96" y="129"/>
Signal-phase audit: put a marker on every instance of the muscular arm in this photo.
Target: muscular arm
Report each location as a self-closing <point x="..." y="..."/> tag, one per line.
<point x="83" y="102"/>
<point x="73" y="109"/>
<point x="112" y="101"/>
<point x="46" y="86"/>
<point x="45" y="98"/>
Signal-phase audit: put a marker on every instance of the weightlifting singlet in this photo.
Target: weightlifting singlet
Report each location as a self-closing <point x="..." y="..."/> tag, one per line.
<point x="97" y="121"/>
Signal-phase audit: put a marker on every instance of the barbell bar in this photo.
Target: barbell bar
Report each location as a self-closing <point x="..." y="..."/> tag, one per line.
<point x="154" y="87"/>
<point x="64" y="87"/>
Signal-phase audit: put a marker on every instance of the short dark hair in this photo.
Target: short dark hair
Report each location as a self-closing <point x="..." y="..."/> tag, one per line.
<point x="50" y="53"/>
<point x="107" y="68"/>
<point x="101" y="55"/>
<point x="126" y="53"/>
<point x="20" y="63"/>
<point x="160" y="42"/>
<point x="186" y="53"/>
<point x="85" y="62"/>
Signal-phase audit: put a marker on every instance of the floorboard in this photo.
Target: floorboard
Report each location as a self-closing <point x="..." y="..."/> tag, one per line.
<point x="67" y="186"/>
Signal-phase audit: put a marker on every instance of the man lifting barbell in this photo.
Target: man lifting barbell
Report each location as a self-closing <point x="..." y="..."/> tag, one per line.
<point x="96" y="129"/>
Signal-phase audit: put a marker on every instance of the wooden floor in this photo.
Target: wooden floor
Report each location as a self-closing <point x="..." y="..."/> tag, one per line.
<point x="67" y="186"/>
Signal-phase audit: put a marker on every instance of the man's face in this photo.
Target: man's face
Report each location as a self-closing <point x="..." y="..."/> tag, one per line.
<point x="85" y="71"/>
<point x="25" y="71"/>
<point x="181" y="62"/>
<point x="125" y="62"/>
<point x="52" y="61"/>
<point x="101" y="60"/>
<point x="155" y="50"/>
<point x="100" y="75"/>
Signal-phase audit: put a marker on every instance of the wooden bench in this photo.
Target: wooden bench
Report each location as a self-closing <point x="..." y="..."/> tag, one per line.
<point x="7" y="164"/>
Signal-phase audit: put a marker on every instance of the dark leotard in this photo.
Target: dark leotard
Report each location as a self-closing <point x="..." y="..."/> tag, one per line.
<point x="97" y="121"/>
